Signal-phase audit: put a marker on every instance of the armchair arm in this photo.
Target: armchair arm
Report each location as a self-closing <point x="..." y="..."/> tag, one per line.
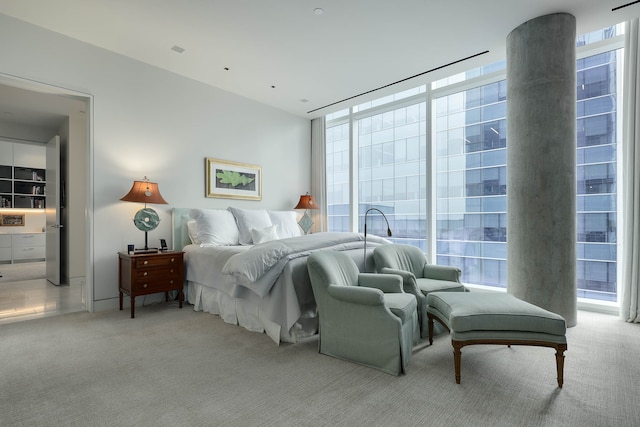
<point x="442" y="272"/>
<point x="388" y="283"/>
<point x="408" y="279"/>
<point x="356" y="295"/>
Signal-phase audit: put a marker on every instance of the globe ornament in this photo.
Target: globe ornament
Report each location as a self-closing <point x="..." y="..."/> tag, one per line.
<point x="146" y="219"/>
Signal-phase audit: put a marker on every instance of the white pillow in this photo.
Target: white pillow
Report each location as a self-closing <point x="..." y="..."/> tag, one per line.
<point x="215" y="227"/>
<point x="286" y="223"/>
<point x="192" y="229"/>
<point x="248" y="219"/>
<point x="264" y="234"/>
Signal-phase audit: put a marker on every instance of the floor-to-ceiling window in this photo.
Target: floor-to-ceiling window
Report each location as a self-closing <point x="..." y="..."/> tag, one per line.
<point x="389" y="169"/>
<point x="597" y="174"/>
<point x="392" y="170"/>
<point x="453" y="134"/>
<point x="470" y="132"/>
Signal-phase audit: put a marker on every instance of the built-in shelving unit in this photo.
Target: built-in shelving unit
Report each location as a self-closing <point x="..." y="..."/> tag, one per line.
<point x="22" y="183"/>
<point x="22" y="188"/>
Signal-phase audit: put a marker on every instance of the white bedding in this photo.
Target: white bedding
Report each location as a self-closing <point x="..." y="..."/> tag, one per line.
<point x="274" y="294"/>
<point x="204" y="265"/>
<point x="259" y="267"/>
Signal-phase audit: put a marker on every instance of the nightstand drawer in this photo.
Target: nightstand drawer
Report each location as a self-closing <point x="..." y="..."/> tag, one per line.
<point x="149" y="273"/>
<point x="158" y="284"/>
<point x="153" y="261"/>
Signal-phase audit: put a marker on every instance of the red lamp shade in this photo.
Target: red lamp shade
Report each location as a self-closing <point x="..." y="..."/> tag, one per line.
<point x="144" y="192"/>
<point x="307" y="202"/>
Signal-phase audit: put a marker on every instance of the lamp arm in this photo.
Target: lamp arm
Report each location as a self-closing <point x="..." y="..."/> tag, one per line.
<point x="365" y="232"/>
<point x="383" y="216"/>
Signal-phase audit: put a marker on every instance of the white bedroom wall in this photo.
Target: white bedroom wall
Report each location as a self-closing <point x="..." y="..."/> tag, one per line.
<point x="147" y="121"/>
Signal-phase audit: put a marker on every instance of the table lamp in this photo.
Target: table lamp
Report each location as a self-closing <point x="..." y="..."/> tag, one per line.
<point x="146" y="219"/>
<point x="306" y="202"/>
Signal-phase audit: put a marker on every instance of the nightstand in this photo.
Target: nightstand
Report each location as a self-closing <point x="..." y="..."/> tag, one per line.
<point x="143" y="274"/>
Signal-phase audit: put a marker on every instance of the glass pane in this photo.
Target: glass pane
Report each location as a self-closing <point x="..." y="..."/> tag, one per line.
<point x="471" y="184"/>
<point x="337" y="177"/>
<point x="390" y="176"/>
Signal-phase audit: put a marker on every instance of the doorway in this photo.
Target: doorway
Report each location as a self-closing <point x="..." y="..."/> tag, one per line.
<point x="31" y="111"/>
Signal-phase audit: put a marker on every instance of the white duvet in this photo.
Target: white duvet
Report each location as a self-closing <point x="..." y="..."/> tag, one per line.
<point x="258" y="267"/>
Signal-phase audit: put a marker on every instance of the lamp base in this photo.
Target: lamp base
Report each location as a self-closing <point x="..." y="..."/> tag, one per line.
<point x="146" y="251"/>
<point x="305" y="222"/>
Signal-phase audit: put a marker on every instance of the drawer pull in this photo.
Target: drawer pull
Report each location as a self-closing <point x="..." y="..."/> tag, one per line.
<point x="173" y="260"/>
<point x="144" y="286"/>
<point x="145" y="273"/>
<point x="146" y="262"/>
<point x="171" y="282"/>
<point x="171" y="271"/>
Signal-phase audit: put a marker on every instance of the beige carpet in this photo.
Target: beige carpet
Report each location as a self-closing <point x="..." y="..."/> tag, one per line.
<point x="171" y="367"/>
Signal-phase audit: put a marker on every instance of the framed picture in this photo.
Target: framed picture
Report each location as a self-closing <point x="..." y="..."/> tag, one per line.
<point x="12" y="220"/>
<point x="232" y="180"/>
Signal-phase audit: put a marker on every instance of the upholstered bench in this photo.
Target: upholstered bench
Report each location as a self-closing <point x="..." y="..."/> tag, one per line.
<point x="495" y="318"/>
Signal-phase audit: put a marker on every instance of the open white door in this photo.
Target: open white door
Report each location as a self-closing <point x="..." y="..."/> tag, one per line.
<point x="52" y="202"/>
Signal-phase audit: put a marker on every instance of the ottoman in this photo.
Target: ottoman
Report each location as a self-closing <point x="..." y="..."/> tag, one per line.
<point x="495" y="318"/>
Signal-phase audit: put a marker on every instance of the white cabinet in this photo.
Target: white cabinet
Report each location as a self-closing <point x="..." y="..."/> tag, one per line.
<point x="28" y="246"/>
<point x="5" y="248"/>
<point x="29" y="155"/>
<point x="6" y="152"/>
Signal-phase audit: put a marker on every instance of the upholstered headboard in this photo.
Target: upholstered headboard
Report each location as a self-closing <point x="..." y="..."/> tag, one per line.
<point x="179" y="232"/>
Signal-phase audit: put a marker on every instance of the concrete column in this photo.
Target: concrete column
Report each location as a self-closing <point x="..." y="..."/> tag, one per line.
<point x="541" y="163"/>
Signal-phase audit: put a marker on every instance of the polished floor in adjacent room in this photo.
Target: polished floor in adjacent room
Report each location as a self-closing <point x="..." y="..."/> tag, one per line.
<point x="26" y="294"/>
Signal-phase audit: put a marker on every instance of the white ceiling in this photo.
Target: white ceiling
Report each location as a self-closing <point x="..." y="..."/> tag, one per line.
<point x="313" y="60"/>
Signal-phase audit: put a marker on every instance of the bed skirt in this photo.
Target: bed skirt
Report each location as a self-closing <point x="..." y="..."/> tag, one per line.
<point x="249" y="313"/>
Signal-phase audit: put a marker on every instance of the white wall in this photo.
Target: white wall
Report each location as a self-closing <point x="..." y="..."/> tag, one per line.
<point x="147" y="121"/>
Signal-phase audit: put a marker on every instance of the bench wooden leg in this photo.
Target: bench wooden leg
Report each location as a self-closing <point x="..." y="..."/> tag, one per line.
<point x="560" y="349"/>
<point x="457" y="358"/>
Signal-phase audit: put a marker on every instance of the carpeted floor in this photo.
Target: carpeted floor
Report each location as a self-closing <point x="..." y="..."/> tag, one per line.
<point x="172" y="367"/>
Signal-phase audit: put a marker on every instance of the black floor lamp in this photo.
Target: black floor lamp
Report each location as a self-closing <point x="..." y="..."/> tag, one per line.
<point x="365" y="232"/>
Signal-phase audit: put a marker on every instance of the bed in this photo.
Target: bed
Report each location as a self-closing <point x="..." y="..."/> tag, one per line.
<point x="253" y="272"/>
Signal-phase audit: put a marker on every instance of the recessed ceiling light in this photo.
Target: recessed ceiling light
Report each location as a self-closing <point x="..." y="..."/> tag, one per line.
<point x="304" y="100"/>
<point x="177" y="48"/>
<point x="318" y="11"/>
<point x="226" y="68"/>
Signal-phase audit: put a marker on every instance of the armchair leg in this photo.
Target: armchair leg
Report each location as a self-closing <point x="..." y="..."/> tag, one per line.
<point x="430" y="323"/>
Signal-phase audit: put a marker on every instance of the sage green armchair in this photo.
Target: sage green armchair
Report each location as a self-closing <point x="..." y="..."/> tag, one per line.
<point x="418" y="276"/>
<point x="363" y="318"/>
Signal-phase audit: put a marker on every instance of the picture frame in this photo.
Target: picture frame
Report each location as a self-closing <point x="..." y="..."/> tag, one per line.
<point x="12" y="220"/>
<point x="232" y="180"/>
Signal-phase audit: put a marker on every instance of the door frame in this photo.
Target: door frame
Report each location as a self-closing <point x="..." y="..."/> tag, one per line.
<point x="35" y="86"/>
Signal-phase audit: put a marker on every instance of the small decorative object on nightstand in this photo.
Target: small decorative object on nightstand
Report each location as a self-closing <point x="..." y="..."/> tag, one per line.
<point x="306" y="202"/>
<point x="143" y="274"/>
